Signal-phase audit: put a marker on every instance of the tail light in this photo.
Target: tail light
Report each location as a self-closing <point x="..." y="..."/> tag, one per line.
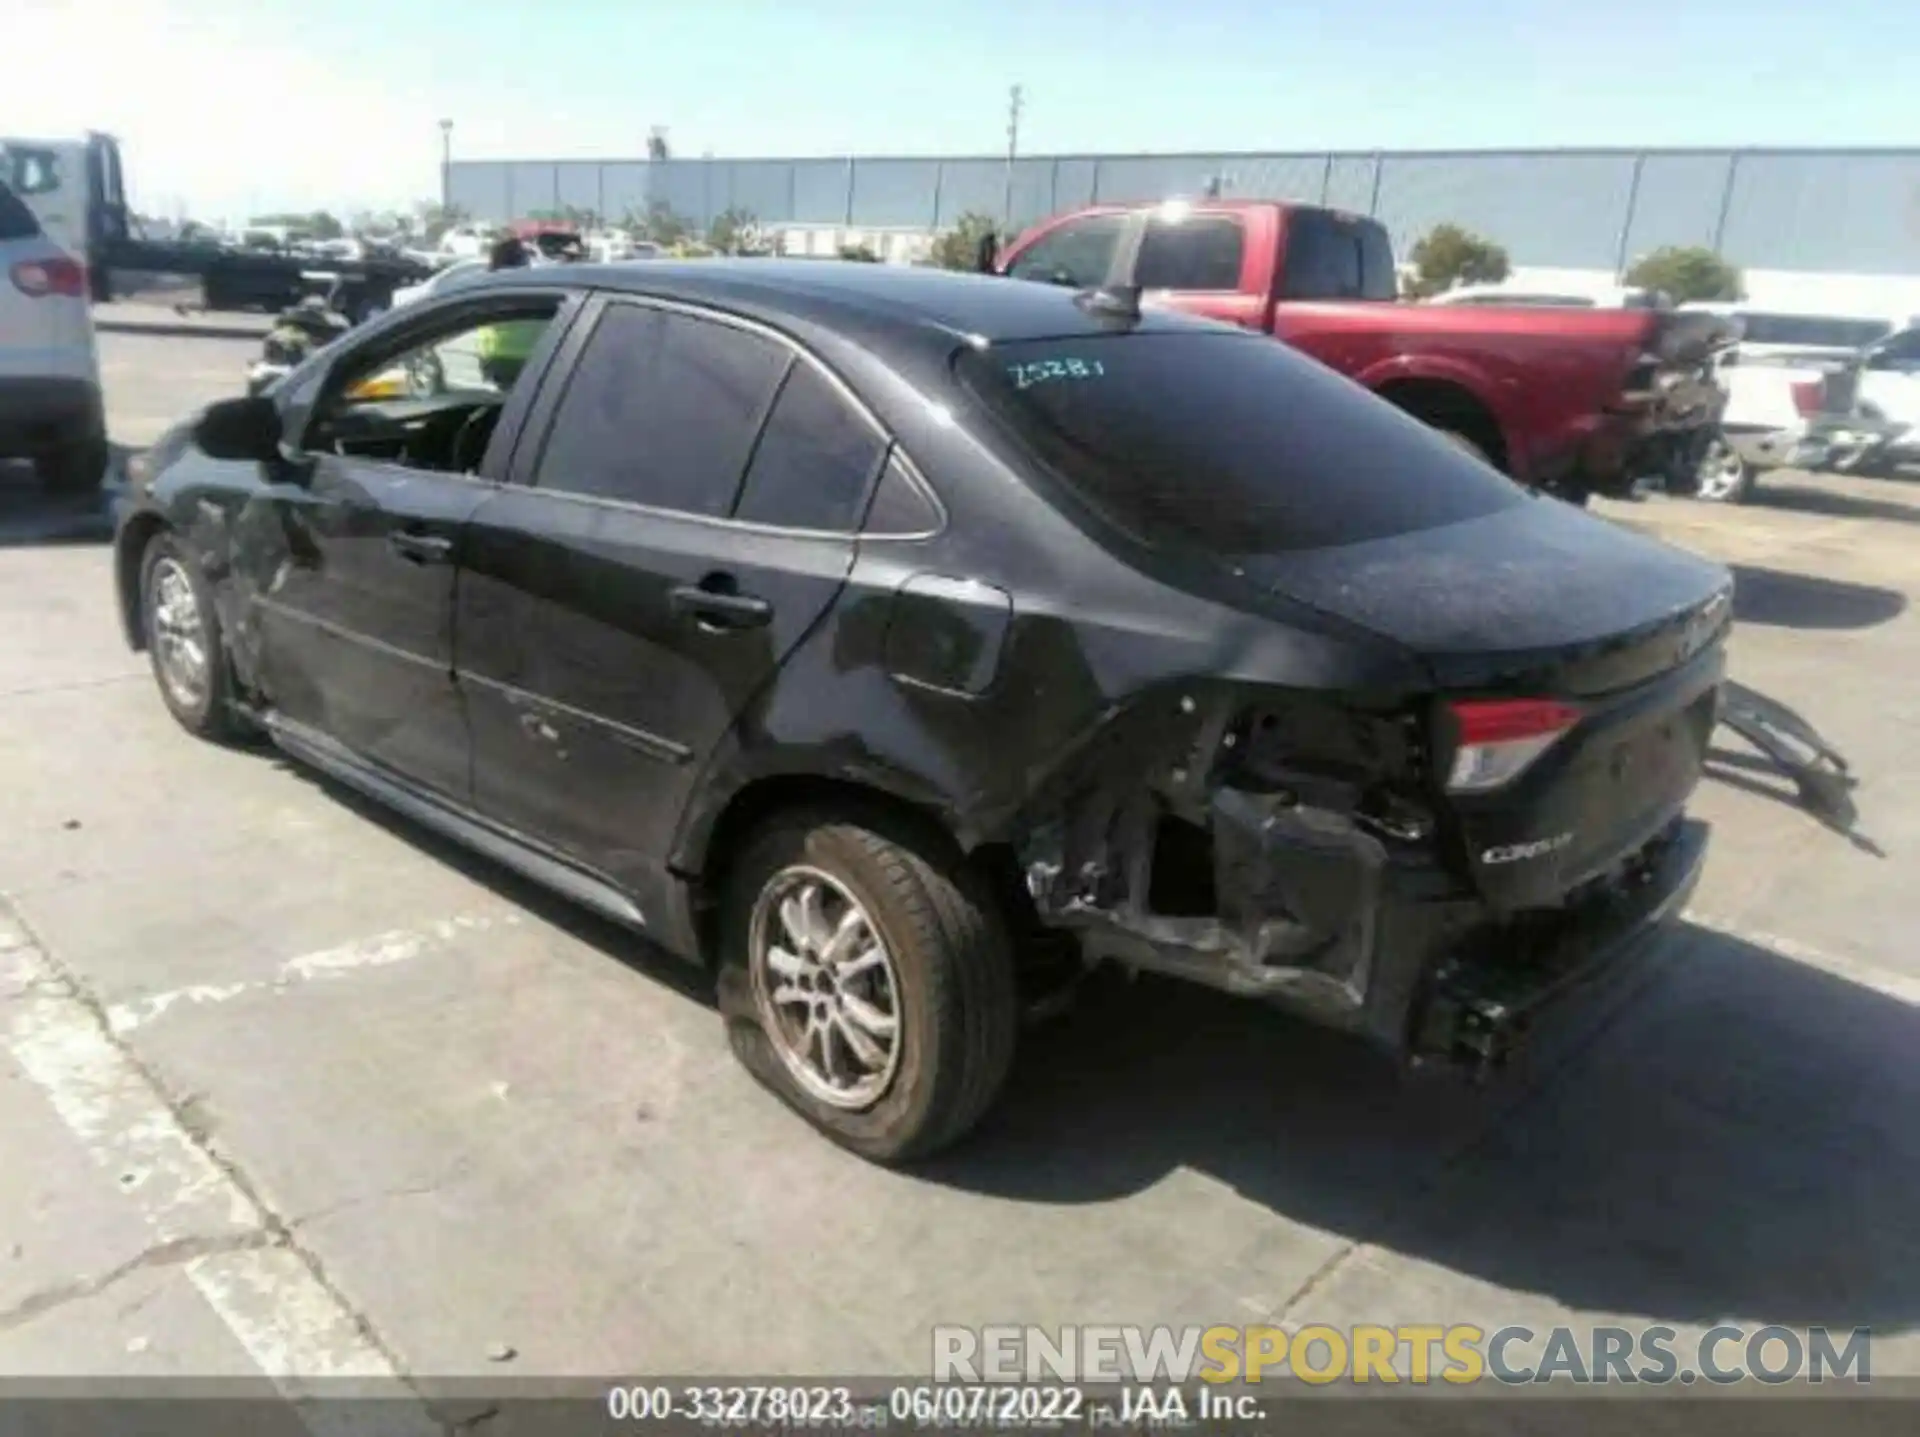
<point x="1809" y="396"/>
<point x="1499" y="739"/>
<point x="39" y="278"/>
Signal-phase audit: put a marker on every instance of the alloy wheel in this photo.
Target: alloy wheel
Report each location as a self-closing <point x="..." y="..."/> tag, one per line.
<point x="826" y="988"/>
<point x="1720" y="473"/>
<point x="179" y="634"/>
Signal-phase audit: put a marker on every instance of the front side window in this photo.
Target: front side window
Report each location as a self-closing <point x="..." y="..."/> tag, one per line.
<point x="482" y="358"/>
<point x="1076" y="254"/>
<point x="1200" y="252"/>
<point x="1232" y="444"/>
<point x="31" y="171"/>
<point x="662" y="411"/>
<point x="433" y="403"/>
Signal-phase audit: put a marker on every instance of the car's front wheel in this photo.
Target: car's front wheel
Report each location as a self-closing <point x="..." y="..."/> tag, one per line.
<point x="868" y="980"/>
<point x="1722" y="476"/>
<point x="184" y="642"/>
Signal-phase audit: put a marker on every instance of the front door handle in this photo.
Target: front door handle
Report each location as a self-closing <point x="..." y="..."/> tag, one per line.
<point x="713" y="605"/>
<point x="420" y="548"/>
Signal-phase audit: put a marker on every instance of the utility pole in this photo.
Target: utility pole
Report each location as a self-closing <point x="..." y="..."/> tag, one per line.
<point x="446" y="165"/>
<point x="1016" y="99"/>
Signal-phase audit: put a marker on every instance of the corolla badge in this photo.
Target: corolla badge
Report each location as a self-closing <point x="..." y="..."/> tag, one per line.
<point x="1518" y="852"/>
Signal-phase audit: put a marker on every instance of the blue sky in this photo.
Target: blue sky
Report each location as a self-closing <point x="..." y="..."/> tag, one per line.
<point x="250" y="104"/>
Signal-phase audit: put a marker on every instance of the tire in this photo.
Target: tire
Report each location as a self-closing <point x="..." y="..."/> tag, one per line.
<point x="75" y="466"/>
<point x="1722" y="476"/>
<point x="206" y="710"/>
<point x="944" y="953"/>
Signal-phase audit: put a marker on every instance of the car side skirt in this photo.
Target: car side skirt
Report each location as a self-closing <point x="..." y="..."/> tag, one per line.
<point x="670" y="924"/>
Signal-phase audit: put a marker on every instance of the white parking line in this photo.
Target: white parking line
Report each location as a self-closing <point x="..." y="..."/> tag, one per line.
<point x="293" y="1326"/>
<point x="400" y="945"/>
<point x="1903" y="987"/>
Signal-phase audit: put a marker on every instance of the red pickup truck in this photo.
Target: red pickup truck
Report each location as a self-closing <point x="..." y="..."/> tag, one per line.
<point x="1572" y="401"/>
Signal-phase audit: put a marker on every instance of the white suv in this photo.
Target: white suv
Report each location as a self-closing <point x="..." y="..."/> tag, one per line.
<point x="50" y="407"/>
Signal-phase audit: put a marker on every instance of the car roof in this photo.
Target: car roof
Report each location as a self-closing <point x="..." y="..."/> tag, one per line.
<point x="879" y="299"/>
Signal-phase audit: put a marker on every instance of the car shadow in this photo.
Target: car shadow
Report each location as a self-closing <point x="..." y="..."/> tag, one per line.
<point x="1758" y="775"/>
<point x="1723" y="1136"/>
<point x="31" y="517"/>
<point x="623" y="944"/>
<point x="1730" y="1140"/>
<point x="1780" y="598"/>
<point x="1834" y="503"/>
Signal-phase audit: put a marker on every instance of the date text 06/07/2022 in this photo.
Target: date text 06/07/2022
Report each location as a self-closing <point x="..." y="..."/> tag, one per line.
<point x="935" y="1406"/>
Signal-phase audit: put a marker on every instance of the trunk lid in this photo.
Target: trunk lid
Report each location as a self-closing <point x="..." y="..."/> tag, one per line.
<point x="1541" y="601"/>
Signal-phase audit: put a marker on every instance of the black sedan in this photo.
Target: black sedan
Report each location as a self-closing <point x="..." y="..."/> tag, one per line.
<point x="879" y="635"/>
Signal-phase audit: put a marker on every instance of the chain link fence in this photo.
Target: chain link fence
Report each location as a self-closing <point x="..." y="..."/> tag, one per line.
<point x="1854" y="211"/>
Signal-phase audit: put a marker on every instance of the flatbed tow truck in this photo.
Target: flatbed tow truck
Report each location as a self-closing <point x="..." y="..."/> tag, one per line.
<point x="77" y="188"/>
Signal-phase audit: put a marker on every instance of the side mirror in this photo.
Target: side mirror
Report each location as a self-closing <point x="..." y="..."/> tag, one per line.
<point x="987" y="254"/>
<point x="240" y="430"/>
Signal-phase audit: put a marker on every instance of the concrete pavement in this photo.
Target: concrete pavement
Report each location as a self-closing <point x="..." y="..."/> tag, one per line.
<point x="307" y="1091"/>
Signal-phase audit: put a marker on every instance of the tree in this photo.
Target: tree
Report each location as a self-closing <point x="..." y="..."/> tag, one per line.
<point x="862" y="253"/>
<point x="1448" y="255"/>
<point x="658" y="223"/>
<point x="1687" y="272"/>
<point x="436" y="219"/>
<point x="657" y="146"/>
<point x="736" y="231"/>
<point x="959" y="247"/>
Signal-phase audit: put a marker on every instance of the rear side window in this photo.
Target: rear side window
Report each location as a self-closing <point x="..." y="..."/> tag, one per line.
<point x="662" y="411"/>
<point x="1076" y="253"/>
<point x="1814" y="331"/>
<point x="1232" y="444"/>
<point x="815" y="460"/>
<point x="1332" y="256"/>
<point x="1199" y="252"/>
<point x="900" y="506"/>
<point x="16" y="220"/>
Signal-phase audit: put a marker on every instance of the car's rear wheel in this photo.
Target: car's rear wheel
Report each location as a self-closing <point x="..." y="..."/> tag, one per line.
<point x="868" y="980"/>
<point x="1722" y="476"/>
<point x="184" y="642"/>
<point x="77" y="465"/>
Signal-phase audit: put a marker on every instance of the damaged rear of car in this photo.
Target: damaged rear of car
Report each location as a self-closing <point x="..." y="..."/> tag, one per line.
<point x="1437" y="781"/>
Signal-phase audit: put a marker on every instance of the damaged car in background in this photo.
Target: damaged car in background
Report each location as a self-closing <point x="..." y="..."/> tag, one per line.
<point x="878" y="634"/>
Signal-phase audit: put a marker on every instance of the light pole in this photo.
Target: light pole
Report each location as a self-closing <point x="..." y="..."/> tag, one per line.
<point x="446" y="165"/>
<point x="1015" y="99"/>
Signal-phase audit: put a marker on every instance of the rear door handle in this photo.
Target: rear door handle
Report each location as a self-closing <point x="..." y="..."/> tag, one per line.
<point x="717" y="608"/>
<point x="420" y="548"/>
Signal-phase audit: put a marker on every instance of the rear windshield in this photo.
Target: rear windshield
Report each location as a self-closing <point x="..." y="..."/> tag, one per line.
<point x="16" y="220"/>
<point x="1230" y="442"/>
